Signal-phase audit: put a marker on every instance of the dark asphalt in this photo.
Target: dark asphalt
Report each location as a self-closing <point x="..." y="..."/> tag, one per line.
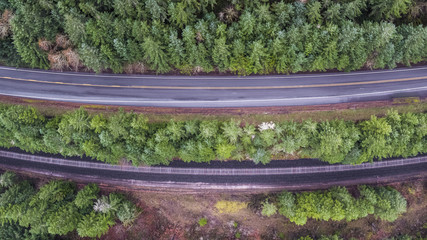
<point x="120" y="89"/>
<point x="285" y="181"/>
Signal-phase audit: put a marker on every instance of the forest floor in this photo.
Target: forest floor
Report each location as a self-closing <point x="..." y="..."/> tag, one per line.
<point x="347" y="111"/>
<point x="176" y="216"/>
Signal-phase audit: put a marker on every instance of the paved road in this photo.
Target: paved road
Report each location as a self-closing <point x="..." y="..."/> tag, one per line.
<point x="234" y="176"/>
<point x="218" y="91"/>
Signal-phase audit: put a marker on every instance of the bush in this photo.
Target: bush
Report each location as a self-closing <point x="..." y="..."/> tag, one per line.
<point x="268" y="209"/>
<point x="127" y="213"/>
<point x="64" y="220"/>
<point x="14" y="231"/>
<point x="203" y="222"/>
<point x="337" y="204"/>
<point x="95" y="224"/>
<point x="86" y="196"/>
<point x="7" y="179"/>
<point x="17" y="194"/>
<point x="230" y="207"/>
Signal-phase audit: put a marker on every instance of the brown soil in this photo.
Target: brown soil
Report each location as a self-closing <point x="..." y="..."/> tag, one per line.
<point x="51" y="108"/>
<point x="175" y="216"/>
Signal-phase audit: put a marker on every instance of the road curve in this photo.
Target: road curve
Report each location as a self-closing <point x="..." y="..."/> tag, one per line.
<point x="233" y="176"/>
<point x="214" y="91"/>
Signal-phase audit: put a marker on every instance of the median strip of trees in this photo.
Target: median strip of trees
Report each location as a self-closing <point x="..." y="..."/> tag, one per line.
<point x="130" y="136"/>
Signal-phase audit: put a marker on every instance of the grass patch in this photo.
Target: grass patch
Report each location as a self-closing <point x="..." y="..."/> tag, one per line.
<point x="28" y="100"/>
<point x="203" y="222"/>
<point x="99" y="107"/>
<point x="345" y="114"/>
<point x="406" y="100"/>
<point x="230" y="207"/>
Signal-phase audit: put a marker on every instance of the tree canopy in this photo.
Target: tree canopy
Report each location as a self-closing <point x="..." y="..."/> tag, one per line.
<point x="57" y="208"/>
<point x="130" y="136"/>
<point x="240" y="36"/>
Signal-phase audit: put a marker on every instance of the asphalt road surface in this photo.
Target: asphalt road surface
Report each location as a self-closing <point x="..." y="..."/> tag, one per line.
<point x="214" y="91"/>
<point x="262" y="178"/>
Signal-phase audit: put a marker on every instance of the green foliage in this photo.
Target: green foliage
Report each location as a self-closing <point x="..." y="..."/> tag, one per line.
<point x="17" y="194"/>
<point x="305" y="238"/>
<point x="55" y="191"/>
<point x="14" y="231"/>
<point x="221" y="54"/>
<point x="86" y="196"/>
<point x="127" y="213"/>
<point x="7" y="179"/>
<point x="232" y="130"/>
<point x="268" y="209"/>
<point x="261" y="156"/>
<point x="334" y="140"/>
<point x="155" y="55"/>
<point x="29" y="25"/>
<point x="245" y="37"/>
<point x="64" y="220"/>
<point x="337" y="204"/>
<point x="131" y="136"/>
<point x="55" y="209"/>
<point x="389" y="204"/>
<point x="9" y="55"/>
<point x="374" y="132"/>
<point x="91" y="58"/>
<point x="387" y="9"/>
<point x="95" y="224"/>
<point x="203" y="222"/>
<point x="323" y="237"/>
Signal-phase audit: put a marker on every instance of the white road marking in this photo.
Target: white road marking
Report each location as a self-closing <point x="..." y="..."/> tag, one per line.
<point x="111" y="101"/>
<point x="218" y="78"/>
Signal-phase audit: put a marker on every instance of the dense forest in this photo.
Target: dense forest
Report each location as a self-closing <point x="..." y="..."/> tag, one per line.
<point x="57" y="208"/>
<point x="194" y="36"/>
<point x="132" y="137"/>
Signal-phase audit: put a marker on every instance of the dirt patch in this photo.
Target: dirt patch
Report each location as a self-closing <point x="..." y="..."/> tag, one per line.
<point x="176" y="216"/>
<point x="347" y="111"/>
<point x="184" y="211"/>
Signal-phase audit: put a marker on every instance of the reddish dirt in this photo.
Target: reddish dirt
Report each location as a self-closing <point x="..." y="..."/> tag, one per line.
<point x="206" y="111"/>
<point x="167" y="216"/>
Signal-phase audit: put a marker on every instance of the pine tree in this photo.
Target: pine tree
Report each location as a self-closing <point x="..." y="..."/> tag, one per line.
<point x="155" y="55"/>
<point x="221" y="54"/>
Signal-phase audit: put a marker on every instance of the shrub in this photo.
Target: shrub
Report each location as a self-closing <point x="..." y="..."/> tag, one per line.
<point x="268" y="209"/>
<point x="95" y="224"/>
<point x="7" y="179"/>
<point x="337" y="204"/>
<point x="127" y="213"/>
<point x="17" y="194"/>
<point x="203" y="222"/>
<point x="64" y="220"/>
<point x="230" y="207"/>
<point x="86" y="196"/>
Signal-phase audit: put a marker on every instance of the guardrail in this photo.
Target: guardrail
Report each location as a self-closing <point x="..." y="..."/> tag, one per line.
<point x="213" y="171"/>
